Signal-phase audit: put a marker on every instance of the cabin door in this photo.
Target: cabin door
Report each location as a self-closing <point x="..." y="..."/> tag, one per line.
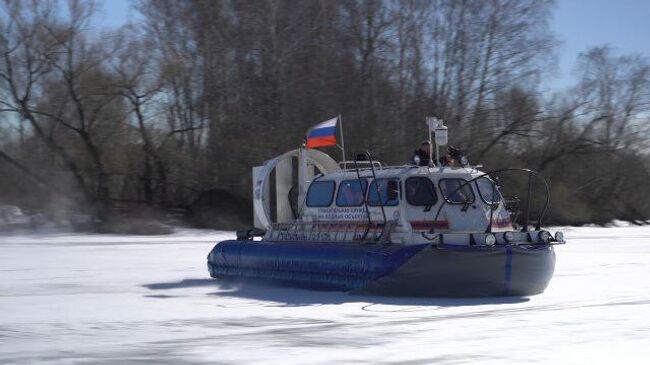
<point x="462" y="210"/>
<point x="421" y="204"/>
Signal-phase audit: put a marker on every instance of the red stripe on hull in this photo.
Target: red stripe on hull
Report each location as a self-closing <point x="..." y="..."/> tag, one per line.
<point x="502" y="223"/>
<point x="321" y="142"/>
<point x="422" y="225"/>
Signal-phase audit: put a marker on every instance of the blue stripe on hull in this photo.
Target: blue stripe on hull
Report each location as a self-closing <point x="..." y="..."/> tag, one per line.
<point x="322" y="132"/>
<point x="508" y="270"/>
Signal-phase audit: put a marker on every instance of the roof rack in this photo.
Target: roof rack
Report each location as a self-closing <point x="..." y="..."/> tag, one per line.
<point x="362" y="165"/>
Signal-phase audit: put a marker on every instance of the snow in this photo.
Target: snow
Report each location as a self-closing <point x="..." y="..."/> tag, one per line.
<point x="70" y="299"/>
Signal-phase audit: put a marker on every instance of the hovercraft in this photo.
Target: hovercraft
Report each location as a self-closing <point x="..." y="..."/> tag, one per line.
<point x="362" y="227"/>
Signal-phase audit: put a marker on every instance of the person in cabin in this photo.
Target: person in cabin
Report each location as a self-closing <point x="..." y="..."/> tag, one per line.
<point x="422" y="156"/>
<point x="447" y="160"/>
<point x="350" y="194"/>
<point x="452" y="158"/>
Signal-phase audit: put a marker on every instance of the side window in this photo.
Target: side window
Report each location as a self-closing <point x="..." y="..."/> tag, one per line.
<point x="487" y="192"/>
<point x="383" y="192"/>
<point x="351" y="193"/>
<point x="420" y="191"/>
<point x="454" y="194"/>
<point x="320" y="193"/>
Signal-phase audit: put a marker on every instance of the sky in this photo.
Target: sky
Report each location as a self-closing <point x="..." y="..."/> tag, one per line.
<point x="577" y="24"/>
<point x="581" y="24"/>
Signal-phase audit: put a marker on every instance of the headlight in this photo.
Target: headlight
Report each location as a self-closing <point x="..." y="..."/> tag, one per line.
<point x="416" y="159"/>
<point x="559" y="236"/>
<point x="509" y="236"/>
<point x="545" y="236"/>
<point x="490" y="240"/>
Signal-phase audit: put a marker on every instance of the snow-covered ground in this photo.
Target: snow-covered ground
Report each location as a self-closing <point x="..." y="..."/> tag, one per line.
<point x="123" y="299"/>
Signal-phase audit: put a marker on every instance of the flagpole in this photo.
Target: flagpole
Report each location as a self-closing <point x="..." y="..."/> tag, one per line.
<point x="342" y="140"/>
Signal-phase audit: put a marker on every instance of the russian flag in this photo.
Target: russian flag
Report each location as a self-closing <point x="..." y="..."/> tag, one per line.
<point x="323" y="134"/>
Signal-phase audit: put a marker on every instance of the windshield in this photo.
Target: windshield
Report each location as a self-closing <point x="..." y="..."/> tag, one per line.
<point x="486" y="189"/>
<point x="456" y="191"/>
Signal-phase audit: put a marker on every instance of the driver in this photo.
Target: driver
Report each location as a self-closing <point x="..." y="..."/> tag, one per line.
<point x="422" y="156"/>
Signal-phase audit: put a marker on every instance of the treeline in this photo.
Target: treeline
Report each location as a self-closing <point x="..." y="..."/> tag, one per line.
<point x="184" y="101"/>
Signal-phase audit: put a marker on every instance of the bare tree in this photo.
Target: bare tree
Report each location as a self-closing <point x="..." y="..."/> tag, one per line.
<point x="54" y="79"/>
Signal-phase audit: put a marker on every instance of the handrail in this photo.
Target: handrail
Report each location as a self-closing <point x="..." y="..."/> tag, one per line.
<point x="343" y="165"/>
<point x="379" y="167"/>
<point x="530" y="188"/>
<point x="374" y="177"/>
<point x="492" y="208"/>
<point x="530" y="173"/>
<point x="365" y="192"/>
<point x="365" y="203"/>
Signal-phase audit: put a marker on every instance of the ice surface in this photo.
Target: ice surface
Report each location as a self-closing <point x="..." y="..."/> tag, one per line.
<point x="129" y="299"/>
